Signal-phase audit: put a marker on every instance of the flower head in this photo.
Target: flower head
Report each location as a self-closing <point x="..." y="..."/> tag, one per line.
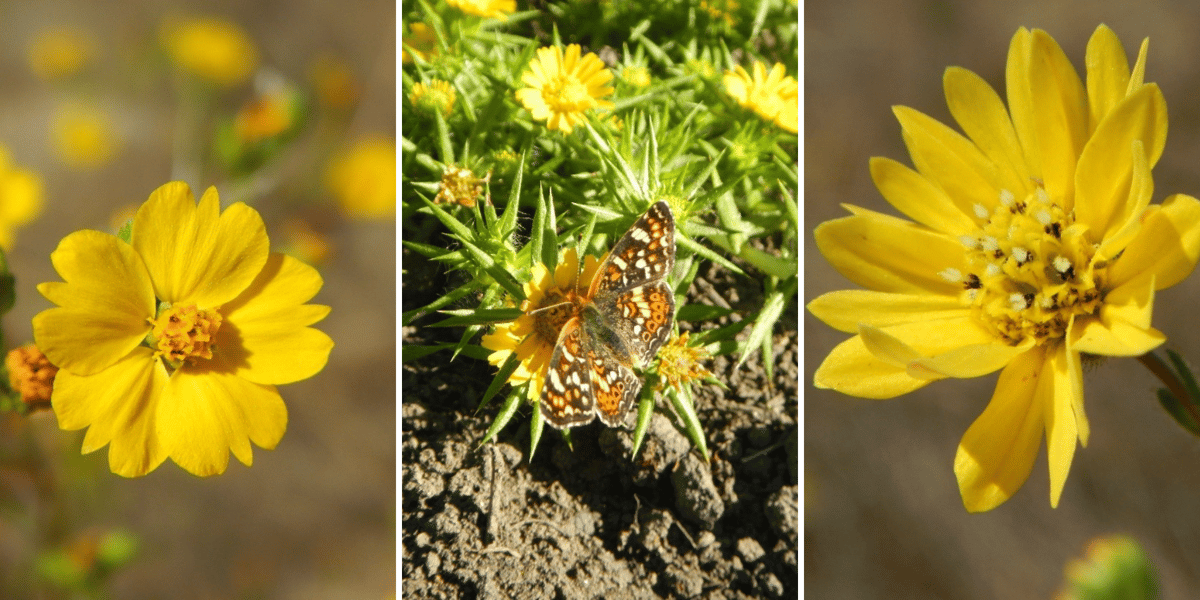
<point x="437" y="96"/>
<point x="1034" y="242"/>
<point x="772" y="96"/>
<point x="637" y="76"/>
<point x="84" y="137"/>
<point x="679" y="363"/>
<point x="21" y="198"/>
<point x="549" y="301"/>
<point x="459" y="186"/>
<point x="215" y="49"/>
<point x="60" y="52"/>
<point x="423" y="43"/>
<point x="335" y="82"/>
<point x="363" y="178"/>
<point x="493" y="9"/>
<point x="171" y="345"/>
<point x="563" y="87"/>
<point x="31" y="375"/>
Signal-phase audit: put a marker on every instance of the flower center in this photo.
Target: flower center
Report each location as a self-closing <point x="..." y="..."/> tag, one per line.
<point x="555" y="309"/>
<point x="568" y="94"/>
<point x="186" y="333"/>
<point x="1030" y="269"/>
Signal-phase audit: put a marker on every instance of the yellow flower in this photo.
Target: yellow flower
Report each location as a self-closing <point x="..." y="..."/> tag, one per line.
<point x="422" y="41"/>
<point x="215" y="49"/>
<point x="561" y="88"/>
<point x="493" y="9"/>
<point x="721" y="10"/>
<point x="363" y="179"/>
<point x="679" y="364"/>
<point x="1034" y="242"/>
<point x="437" y="96"/>
<point x="84" y="137"/>
<point x="266" y="116"/>
<point x="336" y="84"/>
<point x="30" y="375"/>
<point x="532" y="336"/>
<point x="772" y="96"/>
<point x="459" y="186"/>
<point x="60" y="52"/>
<point x="21" y="198"/>
<point x="638" y="77"/>
<point x="172" y="345"/>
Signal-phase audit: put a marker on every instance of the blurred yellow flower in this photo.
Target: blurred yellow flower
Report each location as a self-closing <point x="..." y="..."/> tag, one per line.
<point x="301" y="240"/>
<point x="494" y="9"/>
<point x="773" y="96"/>
<point x="563" y="87"/>
<point x="336" y="84"/>
<point x="363" y="179"/>
<point x="171" y="345"/>
<point x="21" y="198"/>
<point x="638" y="76"/>
<point x="437" y="96"/>
<point x="83" y="136"/>
<point x="60" y="52"/>
<point x="265" y="116"/>
<point x="421" y="40"/>
<point x="216" y="49"/>
<point x="1034" y="242"/>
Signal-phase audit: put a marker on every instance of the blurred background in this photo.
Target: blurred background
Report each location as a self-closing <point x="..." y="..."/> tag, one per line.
<point x="883" y="516"/>
<point x="290" y="107"/>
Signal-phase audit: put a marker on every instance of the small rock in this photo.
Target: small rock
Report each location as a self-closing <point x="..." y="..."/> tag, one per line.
<point x="696" y="497"/>
<point x="422" y="540"/>
<point x="782" y="513"/>
<point x="750" y="549"/>
<point x="706" y="539"/>
<point x="685" y="584"/>
<point x="432" y="563"/>
<point x="769" y="583"/>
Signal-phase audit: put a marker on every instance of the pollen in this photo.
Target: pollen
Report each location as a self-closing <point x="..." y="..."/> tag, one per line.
<point x="186" y="333"/>
<point x="1028" y="273"/>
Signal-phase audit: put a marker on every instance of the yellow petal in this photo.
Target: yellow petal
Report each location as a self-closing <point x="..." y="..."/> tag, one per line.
<point x="965" y="351"/>
<point x="1107" y="72"/>
<point x="1123" y="327"/>
<point x="950" y="160"/>
<point x="104" y="303"/>
<point x="118" y="405"/>
<point x="1049" y="110"/>
<point x="203" y="415"/>
<point x="1105" y="168"/>
<point x="845" y="309"/>
<point x="914" y="195"/>
<point x="1061" y="395"/>
<point x="197" y="254"/>
<point x="851" y="369"/>
<point x="997" y="452"/>
<point x="1120" y="227"/>
<point x="980" y="112"/>
<point x="887" y="254"/>
<point x="265" y="334"/>
<point x="1167" y="246"/>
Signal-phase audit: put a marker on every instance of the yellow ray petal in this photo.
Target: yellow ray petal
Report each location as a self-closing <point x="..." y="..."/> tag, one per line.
<point x="914" y="195"/>
<point x="266" y="334"/>
<point x="851" y="369"/>
<point x="1107" y="73"/>
<point x="1167" y="246"/>
<point x="1059" y="115"/>
<point x="203" y="415"/>
<point x="1060" y="391"/>
<point x="890" y="255"/>
<point x="118" y="405"/>
<point x="104" y="303"/>
<point x="997" y="452"/>
<point x="982" y="115"/>
<point x="1106" y="166"/>
<point x="195" y="253"/>
<point x="845" y="309"/>
<point x="950" y="160"/>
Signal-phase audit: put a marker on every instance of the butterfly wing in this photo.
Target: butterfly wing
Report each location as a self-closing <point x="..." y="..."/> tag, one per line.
<point x="567" y="399"/>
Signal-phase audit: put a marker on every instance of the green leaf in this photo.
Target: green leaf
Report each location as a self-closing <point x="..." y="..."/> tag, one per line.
<point x="701" y="312"/>
<point x="478" y="316"/>
<point x="499" y="380"/>
<point x="535" y="429"/>
<point x="771" y="311"/>
<point x="685" y="408"/>
<point x="645" y="413"/>
<point x="506" y="414"/>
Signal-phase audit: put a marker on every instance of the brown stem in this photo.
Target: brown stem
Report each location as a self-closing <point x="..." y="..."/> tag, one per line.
<point x="1165" y="375"/>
